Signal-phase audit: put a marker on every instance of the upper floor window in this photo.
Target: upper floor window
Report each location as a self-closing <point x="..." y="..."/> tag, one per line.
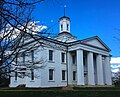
<point x="51" y="74"/>
<point x="63" y="57"/>
<point x="73" y="59"/>
<point x="50" y="55"/>
<point x="23" y="56"/>
<point x="32" y="55"/>
<point x="16" y="60"/>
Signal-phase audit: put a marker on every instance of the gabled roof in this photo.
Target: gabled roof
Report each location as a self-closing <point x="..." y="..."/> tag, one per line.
<point x="96" y="42"/>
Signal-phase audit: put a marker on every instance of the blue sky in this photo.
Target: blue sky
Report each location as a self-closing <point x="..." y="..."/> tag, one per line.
<point x="88" y="18"/>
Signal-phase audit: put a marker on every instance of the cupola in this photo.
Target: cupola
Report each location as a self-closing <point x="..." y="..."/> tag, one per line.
<point x="64" y="23"/>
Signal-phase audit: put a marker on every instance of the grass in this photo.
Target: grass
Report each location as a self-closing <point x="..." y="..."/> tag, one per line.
<point x="58" y="92"/>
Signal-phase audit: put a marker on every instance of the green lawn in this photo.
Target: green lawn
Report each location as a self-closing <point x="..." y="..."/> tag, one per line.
<point x="57" y="92"/>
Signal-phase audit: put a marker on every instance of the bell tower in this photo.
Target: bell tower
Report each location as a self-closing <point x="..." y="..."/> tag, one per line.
<point x="64" y="30"/>
<point x="64" y="23"/>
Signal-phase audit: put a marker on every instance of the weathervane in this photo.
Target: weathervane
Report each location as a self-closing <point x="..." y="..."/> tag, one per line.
<point x="64" y="9"/>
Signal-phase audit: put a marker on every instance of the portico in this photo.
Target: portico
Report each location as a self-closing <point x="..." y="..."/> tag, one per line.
<point x="91" y="67"/>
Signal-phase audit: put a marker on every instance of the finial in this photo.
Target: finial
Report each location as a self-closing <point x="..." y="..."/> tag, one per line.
<point x="64" y="9"/>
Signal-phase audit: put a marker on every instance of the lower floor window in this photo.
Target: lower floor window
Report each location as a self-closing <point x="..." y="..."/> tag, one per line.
<point x="15" y="75"/>
<point x="63" y="75"/>
<point x="51" y="74"/>
<point x="32" y="74"/>
<point x="21" y="74"/>
<point x="74" y="75"/>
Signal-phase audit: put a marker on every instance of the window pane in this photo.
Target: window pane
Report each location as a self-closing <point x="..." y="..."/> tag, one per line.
<point x="63" y="57"/>
<point x="23" y="55"/>
<point x="73" y="59"/>
<point x="61" y="27"/>
<point x="22" y="74"/>
<point x="50" y="55"/>
<point x="74" y="75"/>
<point x="67" y="26"/>
<point x="50" y="74"/>
<point x="32" y="54"/>
<point x="15" y="75"/>
<point x="63" y="74"/>
<point x="16" y="58"/>
<point x="32" y="74"/>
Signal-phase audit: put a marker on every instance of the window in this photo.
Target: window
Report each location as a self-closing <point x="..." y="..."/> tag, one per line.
<point x="84" y="60"/>
<point x="51" y="74"/>
<point x="73" y="59"/>
<point x="67" y="26"/>
<point x="50" y="55"/>
<point x="32" y="54"/>
<point x="15" y="75"/>
<point x="23" y="56"/>
<point x="22" y="74"/>
<point x="16" y="59"/>
<point x="63" y="75"/>
<point x="74" y="75"/>
<point x="61" y="27"/>
<point x="22" y="69"/>
<point x="32" y="74"/>
<point x="63" y="57"/>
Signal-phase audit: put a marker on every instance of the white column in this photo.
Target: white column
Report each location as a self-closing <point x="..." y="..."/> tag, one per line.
<point x="107" y="69"/>
<point x="80" y="68"/>
<point x="69" y="68"/>
<point x="99" y="70"/>
<point x="91" y="79"/>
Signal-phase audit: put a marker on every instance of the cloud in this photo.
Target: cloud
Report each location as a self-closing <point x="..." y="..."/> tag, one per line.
<point x="115" y="60"/>
<point x="36" y="27"/>
<point x="32" y="27"/>
<point x="115" y="64"/>
<point x="115" y="70"/>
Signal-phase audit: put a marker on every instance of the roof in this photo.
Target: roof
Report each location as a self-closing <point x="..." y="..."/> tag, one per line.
<point x="64" y="17"/>
<point x="88" y="41"/>
<point x="96" y="37"/>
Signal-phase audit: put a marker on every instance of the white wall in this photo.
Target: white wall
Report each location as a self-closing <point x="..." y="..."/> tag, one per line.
<point x="42" y="74"/>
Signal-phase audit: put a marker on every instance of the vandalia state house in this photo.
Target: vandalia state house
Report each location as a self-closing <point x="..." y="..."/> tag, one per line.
<point x="68" y="61"/>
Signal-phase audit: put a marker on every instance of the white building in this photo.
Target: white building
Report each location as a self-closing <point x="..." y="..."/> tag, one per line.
<point x="68" y="61"/>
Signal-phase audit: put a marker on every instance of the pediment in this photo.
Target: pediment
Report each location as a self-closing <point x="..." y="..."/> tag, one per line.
<point x="96" y="42"/>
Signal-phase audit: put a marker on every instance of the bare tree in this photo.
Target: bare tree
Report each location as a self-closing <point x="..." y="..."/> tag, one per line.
<point x="15" y="26"/>
<point x="116" y="78"/>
